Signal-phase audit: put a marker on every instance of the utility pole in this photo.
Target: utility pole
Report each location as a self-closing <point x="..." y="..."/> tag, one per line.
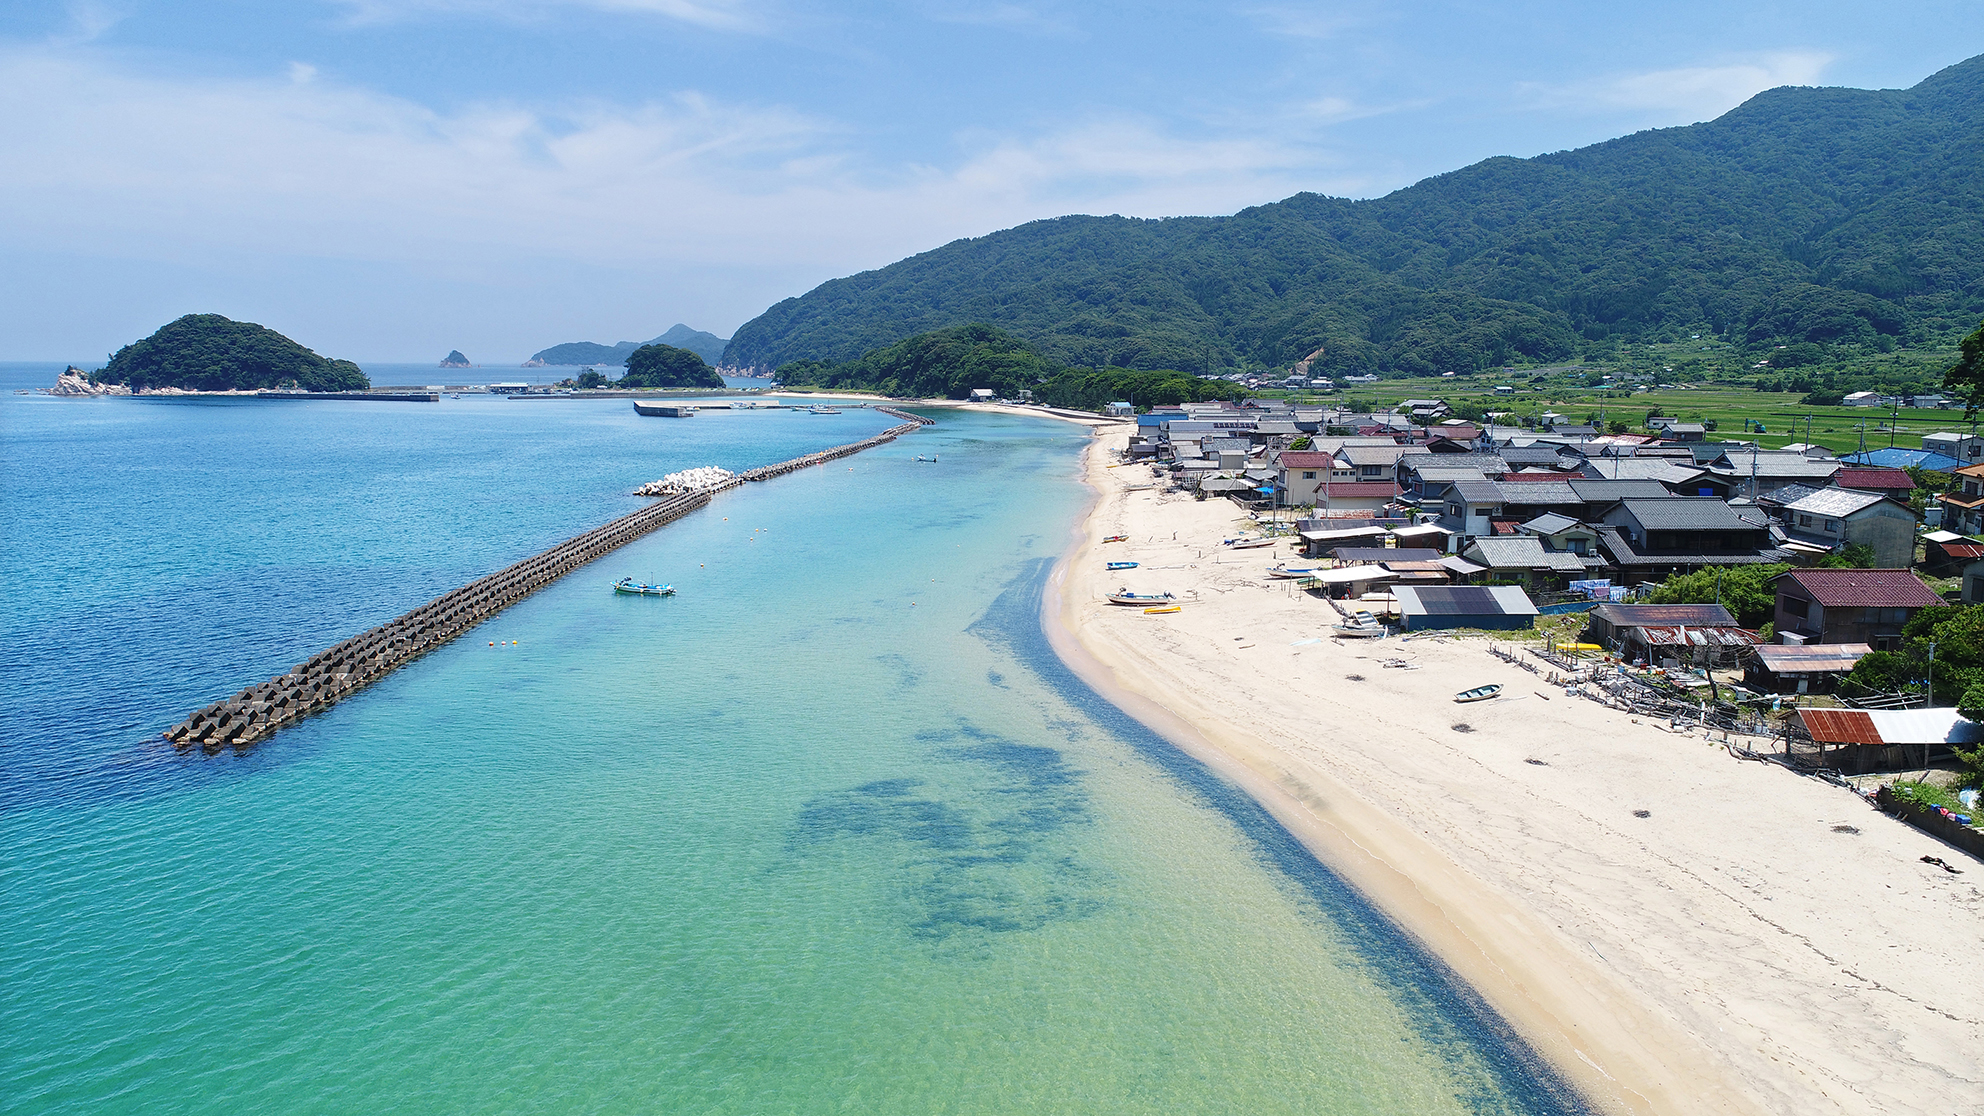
<point x="1929" y="700"/>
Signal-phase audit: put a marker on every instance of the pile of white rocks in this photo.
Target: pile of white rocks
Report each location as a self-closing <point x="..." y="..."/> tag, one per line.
<point x="75" y="381"/>
<point x="688" y="480"/>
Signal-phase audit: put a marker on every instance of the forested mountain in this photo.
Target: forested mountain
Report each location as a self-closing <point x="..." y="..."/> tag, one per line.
<point x="207" y="352"/>
<point x="706" y="345"/>
<point x="1841" y="217"/>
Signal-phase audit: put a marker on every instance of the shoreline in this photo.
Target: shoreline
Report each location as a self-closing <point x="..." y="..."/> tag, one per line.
<point x="1614" y="984"/>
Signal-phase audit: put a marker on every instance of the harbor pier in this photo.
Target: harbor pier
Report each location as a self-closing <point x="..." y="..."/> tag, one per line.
<point x="323" y="679"/>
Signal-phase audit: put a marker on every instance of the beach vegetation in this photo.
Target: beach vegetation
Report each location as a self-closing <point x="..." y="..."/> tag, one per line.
<point x="207" y="352"/>
<point x="1958" y="634"/>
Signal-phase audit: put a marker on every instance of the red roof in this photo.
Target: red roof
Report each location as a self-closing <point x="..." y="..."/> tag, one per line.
<point x="1306" y="459"/>
<point x="1961" y="549"/>
<point x="1840" y="726"/>
<point x="1876" y="480"/>
<point x="1865" y="588"/>
<point x="1505" y="526"/>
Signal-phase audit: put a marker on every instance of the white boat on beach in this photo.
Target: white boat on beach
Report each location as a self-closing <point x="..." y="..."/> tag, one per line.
<point x="1248" y="544"/>
<point x="1359" y="625"/>
<point x="1125" y="597"/>
<point x="1287" y="571"/>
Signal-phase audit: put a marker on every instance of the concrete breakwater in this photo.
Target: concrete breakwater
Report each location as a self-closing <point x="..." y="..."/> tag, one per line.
<point x="322" y="680"/>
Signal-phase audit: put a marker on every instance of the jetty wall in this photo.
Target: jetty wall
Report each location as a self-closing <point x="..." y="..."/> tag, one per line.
<point x="323" y="679"/>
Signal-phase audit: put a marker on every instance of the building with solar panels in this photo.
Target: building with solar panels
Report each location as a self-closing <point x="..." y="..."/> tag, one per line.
<point x="1499" y="608"/>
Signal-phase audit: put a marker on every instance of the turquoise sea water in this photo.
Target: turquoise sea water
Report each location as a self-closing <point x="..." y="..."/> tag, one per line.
<point x="830" y="831"/>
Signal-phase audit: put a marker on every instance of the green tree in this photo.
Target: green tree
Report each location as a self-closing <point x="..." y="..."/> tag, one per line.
<point x="1746" y="591"/>
<point x="665" y="366"/>
<point x="1966" y="376"/>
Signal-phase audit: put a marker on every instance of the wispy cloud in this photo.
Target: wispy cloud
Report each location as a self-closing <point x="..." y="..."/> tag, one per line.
<point x="1687" y="94"/>
<point x="715" y="15"/>
<point x="1023" y="18"/>
<point x="300" y="165"/>
<point x="1306" y="21"/>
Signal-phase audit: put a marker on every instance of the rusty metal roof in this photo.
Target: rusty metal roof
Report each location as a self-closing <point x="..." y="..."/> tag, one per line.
<point x="1661" y="635"/>
<point x="1839" y="726"/>
<point x="1812" y="657"/>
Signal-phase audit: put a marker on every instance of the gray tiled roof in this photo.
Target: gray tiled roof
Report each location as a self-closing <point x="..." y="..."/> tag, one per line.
<point x="1486" y="462"/>
<point x="1479" y="491"/>
<point x="1549" y="523"/>
<point x="1662" y="469"/>
<point x="1737" y="464"/>
<point x="1533" y="493"/>
<point x="1836" y="502"/>
<point x="1599" y="491"/>
<point x="1686" y="513"/>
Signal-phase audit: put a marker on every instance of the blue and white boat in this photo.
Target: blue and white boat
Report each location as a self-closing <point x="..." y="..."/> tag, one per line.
<point x="641" y="589"/>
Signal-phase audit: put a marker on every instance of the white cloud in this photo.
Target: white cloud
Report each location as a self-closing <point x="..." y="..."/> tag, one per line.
<point x="1689" y="94"/>
<point x="109" y="164"/>
<point x="1300" y="21"/>
<point x="715" y="15"/>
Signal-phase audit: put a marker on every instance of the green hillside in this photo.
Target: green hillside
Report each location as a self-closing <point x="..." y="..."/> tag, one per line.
<point x="206" y="352"/>
<point x="1838" y="222"/>
<point x="665" y="366"/>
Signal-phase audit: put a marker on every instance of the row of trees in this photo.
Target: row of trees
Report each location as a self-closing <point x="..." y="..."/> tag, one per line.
<point x="951" y="363"/>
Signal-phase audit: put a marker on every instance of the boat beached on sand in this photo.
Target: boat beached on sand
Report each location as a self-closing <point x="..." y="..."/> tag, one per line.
<point x="1359" y="625"/>
<point x="1479" y="693"/>
<point x="1125" y="597"/>
<point x="1120" y="565"/>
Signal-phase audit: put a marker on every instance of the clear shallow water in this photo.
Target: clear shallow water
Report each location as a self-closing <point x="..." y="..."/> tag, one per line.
<point x="829" y="831"/>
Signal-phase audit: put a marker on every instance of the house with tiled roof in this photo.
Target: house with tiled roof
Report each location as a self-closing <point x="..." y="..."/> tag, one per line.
<point x="1963" y="504"/>
<point x="1887" y="482"/>
<point x="1849" y="606"/>
<point x="1649" y="539"/>
<point x="1840" y="517"/>
<point x="1752" y="472"/>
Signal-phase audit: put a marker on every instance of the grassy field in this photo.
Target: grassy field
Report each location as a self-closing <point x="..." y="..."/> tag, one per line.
<point x="1734" y="406"/>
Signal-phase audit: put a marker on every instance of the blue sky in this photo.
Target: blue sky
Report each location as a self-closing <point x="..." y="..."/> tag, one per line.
<point x="389" y="179"/>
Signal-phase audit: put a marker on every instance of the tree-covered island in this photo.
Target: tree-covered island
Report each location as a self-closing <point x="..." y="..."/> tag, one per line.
<point x="207" y="352"/>
<point x="665" y="366"/>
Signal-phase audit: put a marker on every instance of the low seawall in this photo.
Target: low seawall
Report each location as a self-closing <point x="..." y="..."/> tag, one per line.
<point x="322" y="680"/>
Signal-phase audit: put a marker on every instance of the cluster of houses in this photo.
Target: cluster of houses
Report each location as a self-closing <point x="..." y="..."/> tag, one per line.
<point x="1414" y="499"/>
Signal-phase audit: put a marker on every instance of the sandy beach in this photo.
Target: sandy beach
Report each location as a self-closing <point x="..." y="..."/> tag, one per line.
<point x="1757" y="942"/>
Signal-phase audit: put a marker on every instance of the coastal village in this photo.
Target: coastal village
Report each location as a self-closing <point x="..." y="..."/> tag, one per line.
<point x="1677" y="820"/>
<point x="1409" y="521"/>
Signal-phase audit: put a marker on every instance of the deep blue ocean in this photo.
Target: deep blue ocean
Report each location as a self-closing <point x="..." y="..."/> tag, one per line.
<point x="829" y="831"/>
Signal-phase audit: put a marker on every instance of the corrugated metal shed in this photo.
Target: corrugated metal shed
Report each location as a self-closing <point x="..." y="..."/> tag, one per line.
<point x="1890" y="726"/>
<point x="1500" y="607"/>
<point x="1812" y="658"/>
<point x="1681" y="635"/>
<point x="1637" y="615"/>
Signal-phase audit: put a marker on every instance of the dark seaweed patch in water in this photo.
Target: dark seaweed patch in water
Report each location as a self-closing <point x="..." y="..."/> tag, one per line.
<point x="1445" y="1011"/>
<point x="983" y="859"/>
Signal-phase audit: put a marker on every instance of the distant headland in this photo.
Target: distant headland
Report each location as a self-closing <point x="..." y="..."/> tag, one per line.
<point x="708" y="346"/>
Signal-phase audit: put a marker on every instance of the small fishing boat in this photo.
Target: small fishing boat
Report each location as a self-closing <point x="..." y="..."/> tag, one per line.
<point x="1125" y="597"/>
<point x="641" y="589"/>
<point x="1120" y="565"/>
<point x="1287" y="571"/>
<point x="932" y="458"/>
<point x="1156" y="611"/>
<point x="817" y="409"/>
<point x="1117" y="538"/>
<point x="1248" y="544"/>
<point x="1479" y="693"/>
<point x="1360" y="625"/>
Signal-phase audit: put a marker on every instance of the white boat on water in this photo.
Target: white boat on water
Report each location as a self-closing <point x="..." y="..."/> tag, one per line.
<point x="1125" y="597"/>
<point x="817" y="409"/>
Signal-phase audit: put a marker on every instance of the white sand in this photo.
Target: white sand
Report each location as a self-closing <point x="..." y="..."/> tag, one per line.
<point x="1731" y="952"/>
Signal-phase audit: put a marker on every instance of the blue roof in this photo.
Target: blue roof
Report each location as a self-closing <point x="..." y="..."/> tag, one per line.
<point x="1898" y="458"/>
